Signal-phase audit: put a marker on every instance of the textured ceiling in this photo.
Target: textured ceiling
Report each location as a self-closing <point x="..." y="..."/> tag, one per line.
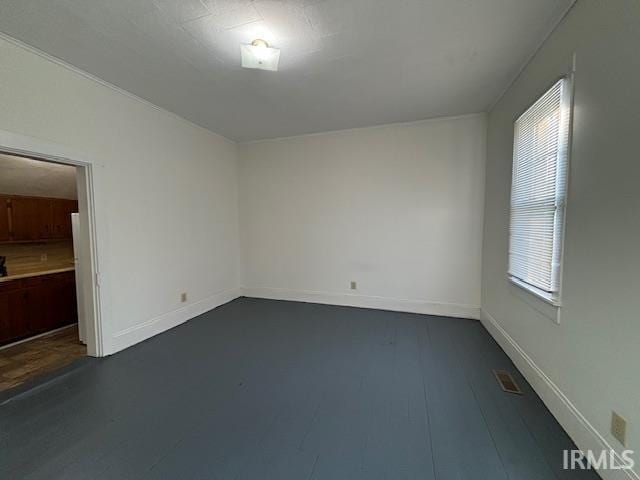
<point x="343" y="64"/>
<point x="24" y="176"/>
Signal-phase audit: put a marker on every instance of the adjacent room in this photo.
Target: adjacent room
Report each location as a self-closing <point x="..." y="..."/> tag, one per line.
<point x="319" y="239"/>
<point x="38" y="239"/>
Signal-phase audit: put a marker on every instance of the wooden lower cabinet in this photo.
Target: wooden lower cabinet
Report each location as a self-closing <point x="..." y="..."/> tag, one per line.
<point x="13" y="324"/>
<point x="35" y="305"/>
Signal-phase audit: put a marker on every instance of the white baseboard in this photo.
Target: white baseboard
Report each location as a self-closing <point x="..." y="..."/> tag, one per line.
<point x="366" y="301"/>
<point x="581" y="431"/>
<point x="136" y="334"/>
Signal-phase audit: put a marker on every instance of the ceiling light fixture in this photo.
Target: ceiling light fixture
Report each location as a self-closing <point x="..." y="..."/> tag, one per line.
<point x="260" y="55"/>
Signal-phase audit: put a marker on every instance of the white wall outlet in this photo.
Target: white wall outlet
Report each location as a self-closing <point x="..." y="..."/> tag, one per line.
<point x="183" y="297"/>
<point x="619" y="428"/>
<point x="354" y="285"/>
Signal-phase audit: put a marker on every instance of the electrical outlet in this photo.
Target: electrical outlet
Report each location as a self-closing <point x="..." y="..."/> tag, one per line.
<point x="183" y="297"/>
<point x="44" y="257"/>
<point x="354" y="285"/>
<point x="619" y="428"/>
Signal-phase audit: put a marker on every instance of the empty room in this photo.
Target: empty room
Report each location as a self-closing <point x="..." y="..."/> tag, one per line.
<point x="319" y="239"/>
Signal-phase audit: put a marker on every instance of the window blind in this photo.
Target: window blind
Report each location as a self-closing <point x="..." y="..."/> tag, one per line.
<point x="538" y="190"/>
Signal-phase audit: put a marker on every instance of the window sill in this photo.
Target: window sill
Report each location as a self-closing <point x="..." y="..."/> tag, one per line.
<point x="539" y="294"/>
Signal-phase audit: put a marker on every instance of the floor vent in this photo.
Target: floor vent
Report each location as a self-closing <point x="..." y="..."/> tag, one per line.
<point x="507" y="382"/>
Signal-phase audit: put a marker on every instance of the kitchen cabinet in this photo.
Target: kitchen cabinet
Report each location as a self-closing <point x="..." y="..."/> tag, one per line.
<point x="4" y="218"/>
<point x="34" y="305"/>
<point x="59" y="294"/>
<point x="13" y="325"/>
<point x="37" y="302"/>
<point x="27" y="218"/>
<point x="60" y="220"/>
<point x="31" y="219"/>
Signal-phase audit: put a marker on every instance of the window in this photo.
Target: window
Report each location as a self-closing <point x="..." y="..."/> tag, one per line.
<point x="538" y="192"/>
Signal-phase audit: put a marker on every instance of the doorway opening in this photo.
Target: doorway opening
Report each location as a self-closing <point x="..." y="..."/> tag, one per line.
<point x="47" y="315"/>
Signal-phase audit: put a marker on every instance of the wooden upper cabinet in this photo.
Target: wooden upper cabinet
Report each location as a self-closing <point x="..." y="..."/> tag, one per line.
<point x="33" y="218"/>
<point x="61" y="211"/>
<point x="4" y="218"/>
<point x="28" y="219"/>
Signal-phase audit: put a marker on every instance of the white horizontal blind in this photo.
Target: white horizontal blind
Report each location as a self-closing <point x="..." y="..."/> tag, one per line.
<point x="538" y="190"/>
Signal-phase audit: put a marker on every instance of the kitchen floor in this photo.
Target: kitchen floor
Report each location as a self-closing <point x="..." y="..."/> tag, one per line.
<point x="40" y="356"/>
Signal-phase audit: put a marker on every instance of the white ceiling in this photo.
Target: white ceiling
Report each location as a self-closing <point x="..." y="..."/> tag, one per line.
<point x="344" y="63"/>
<point x="24" y="176"/>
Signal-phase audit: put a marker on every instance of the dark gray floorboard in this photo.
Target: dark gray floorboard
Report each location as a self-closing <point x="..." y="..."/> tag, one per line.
<point x="260" y="389"/>
<point x="518" y="450"/>
<point x="524" y="413"/>
<point x="462" y="443"/>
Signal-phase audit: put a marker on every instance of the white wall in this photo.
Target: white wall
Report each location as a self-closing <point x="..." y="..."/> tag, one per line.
<point x="167" y="191"/>
<point x="398" y="209"/>
<point x="587" y="365"/>
<point x="24" y="176"/>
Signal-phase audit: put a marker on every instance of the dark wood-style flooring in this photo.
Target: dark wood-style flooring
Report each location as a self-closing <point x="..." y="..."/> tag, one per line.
<point x="40" y="356"/>
<point x="260" y="389"/>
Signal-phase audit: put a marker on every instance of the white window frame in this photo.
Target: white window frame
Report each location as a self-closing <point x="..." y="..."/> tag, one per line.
<point x="564" y="148"/>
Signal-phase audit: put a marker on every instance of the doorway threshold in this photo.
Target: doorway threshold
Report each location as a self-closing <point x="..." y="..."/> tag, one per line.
<point x="38" y="357"/>
<point x="36" y="384"/>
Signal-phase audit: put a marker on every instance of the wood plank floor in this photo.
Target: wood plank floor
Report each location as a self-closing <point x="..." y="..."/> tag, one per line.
<point x="262" y="389"/>
<point x="39" y="356"/>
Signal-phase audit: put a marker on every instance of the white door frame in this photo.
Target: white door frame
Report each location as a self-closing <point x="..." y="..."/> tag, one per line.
<point x="26" y="146"/>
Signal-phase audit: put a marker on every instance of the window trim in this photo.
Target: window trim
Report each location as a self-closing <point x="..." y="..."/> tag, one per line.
<point x="547" y="297"/>
<point x="554" y="298"/>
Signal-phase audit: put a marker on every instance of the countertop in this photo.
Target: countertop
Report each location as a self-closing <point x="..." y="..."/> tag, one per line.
<point x="36" y="274"/>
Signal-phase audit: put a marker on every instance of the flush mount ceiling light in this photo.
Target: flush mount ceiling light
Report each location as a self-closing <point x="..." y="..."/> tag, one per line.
<point x="260" y="55"/>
